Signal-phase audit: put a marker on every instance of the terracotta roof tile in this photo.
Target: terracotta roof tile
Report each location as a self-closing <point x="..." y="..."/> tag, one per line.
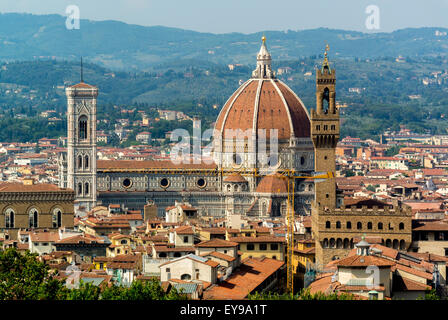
<point x="216" y="243"/>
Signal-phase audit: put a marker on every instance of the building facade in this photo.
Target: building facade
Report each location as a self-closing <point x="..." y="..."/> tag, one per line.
<point x="34" y="207"/>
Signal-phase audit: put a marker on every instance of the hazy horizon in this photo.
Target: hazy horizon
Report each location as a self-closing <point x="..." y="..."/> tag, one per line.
<point x="248" y="16"/>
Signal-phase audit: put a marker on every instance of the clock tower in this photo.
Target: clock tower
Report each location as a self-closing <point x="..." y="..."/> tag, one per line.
<point x="81" y="144"/>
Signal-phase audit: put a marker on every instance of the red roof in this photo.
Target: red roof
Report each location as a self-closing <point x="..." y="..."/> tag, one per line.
<point x="244" y="280"/>
<point x="216" y="243"/>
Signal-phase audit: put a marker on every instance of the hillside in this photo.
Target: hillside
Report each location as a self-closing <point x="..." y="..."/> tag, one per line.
<point x="378" y="93"/>
<point x="123" y="46"/>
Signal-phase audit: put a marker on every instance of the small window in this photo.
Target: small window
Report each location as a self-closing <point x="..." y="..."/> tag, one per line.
<point x="373" y="296"/>
<point x="380" y="226"/>
<point x="349" y="225"/>
<point x="185" y="239"/>
<point x="369" y="225"/>
<point x="250" y="247"/>
<point x="328" y="224"/>
<point x="168" y="270"/>
<point x="401" y="226"/>
<point x="263" y="246"/>
<point x="338" y="224"/>
<point x="274" y="246"/>
<point x="359" y="225"/>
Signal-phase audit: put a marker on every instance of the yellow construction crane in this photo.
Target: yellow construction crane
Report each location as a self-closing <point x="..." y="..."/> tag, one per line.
<point x="290" y="176"/>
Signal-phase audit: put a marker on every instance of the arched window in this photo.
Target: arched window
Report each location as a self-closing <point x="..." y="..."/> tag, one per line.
<point x="339" y="243"/>
<point x="328" y="225"/>
<point x="57" y="218"/>
<point x="380" y="226"/>
<point x="346" y="243"/>
<point x="86" y="162"/>
<point x="185" y="276"/>
<point x="86" y="188"/>
<point x="401" y="226"/>
<point x="338" y="224"/>
<point x="402" y="245"/>
<point x="388" y="243"/>
<point x="332" y="243"/>
<point x="79" y="162"/>
<point x="359" y="225"/>
<point x="326" y="100"/>
<point x="9" y="218"/>
<point x="80" y="188"/>
<point x="349" y="225"/>
<point x="369" y="225"/>
<point x="32" y="217"/>
<point x="395" y="244"/>
<point x="82" y="126"/>
<point x="325" y="243"/>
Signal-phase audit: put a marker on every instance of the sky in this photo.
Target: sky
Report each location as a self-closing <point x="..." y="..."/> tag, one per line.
<point x="248" y="16"/>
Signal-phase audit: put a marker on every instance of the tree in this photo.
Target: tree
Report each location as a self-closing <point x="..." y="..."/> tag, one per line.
<point x="23" y="277"/>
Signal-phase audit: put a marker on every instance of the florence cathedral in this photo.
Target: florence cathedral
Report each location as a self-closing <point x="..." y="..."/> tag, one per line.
<point x="242" y="180"/>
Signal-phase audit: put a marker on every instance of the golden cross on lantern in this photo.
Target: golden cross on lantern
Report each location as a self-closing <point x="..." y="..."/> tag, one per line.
<point x="263" y="38"/>
<point x="327" y="48"/>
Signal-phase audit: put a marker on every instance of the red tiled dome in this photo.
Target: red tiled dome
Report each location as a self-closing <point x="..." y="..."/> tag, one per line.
<point x="275" y="183"/>
<point x="265" y="104"/>
<point x="235" y="177"/>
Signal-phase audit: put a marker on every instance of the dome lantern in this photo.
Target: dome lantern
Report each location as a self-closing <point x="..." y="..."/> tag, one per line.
<point x="264" y="69"/>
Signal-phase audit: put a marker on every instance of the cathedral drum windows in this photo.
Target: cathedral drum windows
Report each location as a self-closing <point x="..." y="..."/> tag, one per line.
<point x="201" y="183"/>
<point x="164" y="183"/>
<point x="127" y="183"/>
